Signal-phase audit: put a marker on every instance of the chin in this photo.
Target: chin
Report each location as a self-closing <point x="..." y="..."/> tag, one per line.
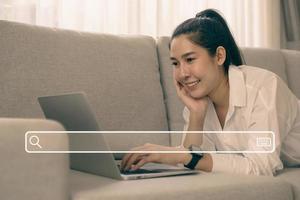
<point x="196" y="95"/>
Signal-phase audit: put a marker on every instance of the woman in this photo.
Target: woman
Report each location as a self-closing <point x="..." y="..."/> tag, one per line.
<point x="221" y="94"/>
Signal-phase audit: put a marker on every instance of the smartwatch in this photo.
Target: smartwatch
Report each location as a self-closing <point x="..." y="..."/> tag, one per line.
<point x="196" y="156"/>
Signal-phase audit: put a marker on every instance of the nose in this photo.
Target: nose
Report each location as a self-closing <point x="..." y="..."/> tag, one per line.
<point x="184" y="72"/>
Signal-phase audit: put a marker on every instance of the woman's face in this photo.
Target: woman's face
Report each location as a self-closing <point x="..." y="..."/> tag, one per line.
<point x="194" y="68"/>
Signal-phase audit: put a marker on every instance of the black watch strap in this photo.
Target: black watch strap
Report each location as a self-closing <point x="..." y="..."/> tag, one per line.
<point x="195" y="159"/>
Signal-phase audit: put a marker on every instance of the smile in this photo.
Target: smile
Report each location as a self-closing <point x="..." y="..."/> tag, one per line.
<point x="192" y="84"/>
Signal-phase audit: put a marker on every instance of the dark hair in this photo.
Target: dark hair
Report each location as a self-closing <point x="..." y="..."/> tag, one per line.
<point x="210" y="30"/>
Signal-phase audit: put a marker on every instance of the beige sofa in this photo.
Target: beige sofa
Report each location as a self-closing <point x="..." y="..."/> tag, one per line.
<point x="128" y="80"/>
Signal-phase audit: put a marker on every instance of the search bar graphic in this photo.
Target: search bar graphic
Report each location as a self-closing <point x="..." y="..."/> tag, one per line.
<point x="124" y="141"/>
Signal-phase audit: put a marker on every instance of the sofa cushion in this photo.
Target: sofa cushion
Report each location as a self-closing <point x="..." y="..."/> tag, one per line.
<point x="292" y="60"/>
<point x="202" y="186"/>
<point x="119" y="74"/>
<point x="291" y="176"/>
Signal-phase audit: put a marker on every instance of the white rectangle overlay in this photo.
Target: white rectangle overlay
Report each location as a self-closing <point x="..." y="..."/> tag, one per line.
<point x="265" y="144"/>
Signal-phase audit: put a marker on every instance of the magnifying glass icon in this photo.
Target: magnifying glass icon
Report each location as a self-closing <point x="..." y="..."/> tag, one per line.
<point x="34" y="141"/>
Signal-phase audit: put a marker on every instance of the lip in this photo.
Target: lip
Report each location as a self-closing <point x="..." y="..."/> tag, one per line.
<point x="192" y="84"/>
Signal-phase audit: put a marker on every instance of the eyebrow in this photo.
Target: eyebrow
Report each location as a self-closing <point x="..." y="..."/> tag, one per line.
<point x="184" y="55"/>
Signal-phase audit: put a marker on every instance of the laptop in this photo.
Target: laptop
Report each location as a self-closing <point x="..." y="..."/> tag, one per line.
<point x="75" y="113"/>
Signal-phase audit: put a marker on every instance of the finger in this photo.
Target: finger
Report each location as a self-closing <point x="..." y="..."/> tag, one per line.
<point x="125" y="160"/>
<point x="128" y="156"/>
<point x="185" y="96"/>
<point x="178" y="85"/>
<point x="181" y="91"/>
<point x="141" y="163"/>
<point x="133" y="159"/>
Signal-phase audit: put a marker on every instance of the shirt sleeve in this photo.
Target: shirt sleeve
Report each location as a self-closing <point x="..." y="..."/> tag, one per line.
<point x="290" y="149"/>
<point x="273" y="110"/>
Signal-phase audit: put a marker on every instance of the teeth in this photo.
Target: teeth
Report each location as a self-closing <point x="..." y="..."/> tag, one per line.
<point x="192" y="83"/>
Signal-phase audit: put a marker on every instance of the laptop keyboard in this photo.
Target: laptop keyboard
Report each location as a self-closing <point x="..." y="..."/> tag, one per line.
<point x="140" y="171"/>
<point x="143" y="171"/>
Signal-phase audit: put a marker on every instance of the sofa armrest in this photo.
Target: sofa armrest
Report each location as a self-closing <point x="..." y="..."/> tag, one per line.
<point x="31" y="176"/>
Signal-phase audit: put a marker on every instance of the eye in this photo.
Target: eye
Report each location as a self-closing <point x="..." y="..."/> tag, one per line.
<point x="174" y="64"/>
<point x="190" y="60"/>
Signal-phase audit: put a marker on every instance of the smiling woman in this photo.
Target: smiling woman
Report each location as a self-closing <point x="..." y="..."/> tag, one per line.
<point x="254" y="22"/>
<point x="222" y="94"/>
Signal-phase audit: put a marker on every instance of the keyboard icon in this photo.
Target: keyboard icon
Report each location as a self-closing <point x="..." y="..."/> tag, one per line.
<point x="263" y="142"/>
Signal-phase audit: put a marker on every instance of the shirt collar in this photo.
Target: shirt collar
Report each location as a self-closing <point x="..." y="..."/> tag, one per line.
<point x="237" y="87"/>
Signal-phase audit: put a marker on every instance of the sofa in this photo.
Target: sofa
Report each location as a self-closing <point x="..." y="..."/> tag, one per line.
<point x="128" y="81"/>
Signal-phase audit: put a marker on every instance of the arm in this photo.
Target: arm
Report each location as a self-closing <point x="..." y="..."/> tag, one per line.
<point x="194" y="123"/>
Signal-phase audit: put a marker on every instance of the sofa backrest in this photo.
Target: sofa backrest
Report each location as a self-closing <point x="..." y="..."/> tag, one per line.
<point x="119" y="74"/>
<point x="284" y="63"/>
<point x="128" y="79"/>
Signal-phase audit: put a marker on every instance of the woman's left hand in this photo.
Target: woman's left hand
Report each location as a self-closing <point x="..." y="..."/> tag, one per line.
<point x="133" y="161"/>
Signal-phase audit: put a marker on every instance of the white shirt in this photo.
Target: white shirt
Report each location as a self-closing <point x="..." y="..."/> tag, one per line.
<point x="258" y="101"/>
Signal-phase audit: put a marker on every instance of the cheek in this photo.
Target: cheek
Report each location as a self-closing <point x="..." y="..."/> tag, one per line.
<point x="198" y="72"/>
<point x="211" y="79"/>
<point x="206" y="69"/>
<point x="176" y="74"/>
<point x="200" y="68"/>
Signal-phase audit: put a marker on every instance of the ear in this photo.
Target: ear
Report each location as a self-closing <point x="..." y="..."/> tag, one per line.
<point x="221" y="55"/>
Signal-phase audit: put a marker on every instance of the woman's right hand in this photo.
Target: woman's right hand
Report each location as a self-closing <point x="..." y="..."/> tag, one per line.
<point x="197" y="107"/>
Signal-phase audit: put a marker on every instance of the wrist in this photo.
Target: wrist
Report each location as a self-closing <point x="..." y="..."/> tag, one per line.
<point x="196" y="116"/>
<point x="185" y="158"/>
<point x="196" y="122"/>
